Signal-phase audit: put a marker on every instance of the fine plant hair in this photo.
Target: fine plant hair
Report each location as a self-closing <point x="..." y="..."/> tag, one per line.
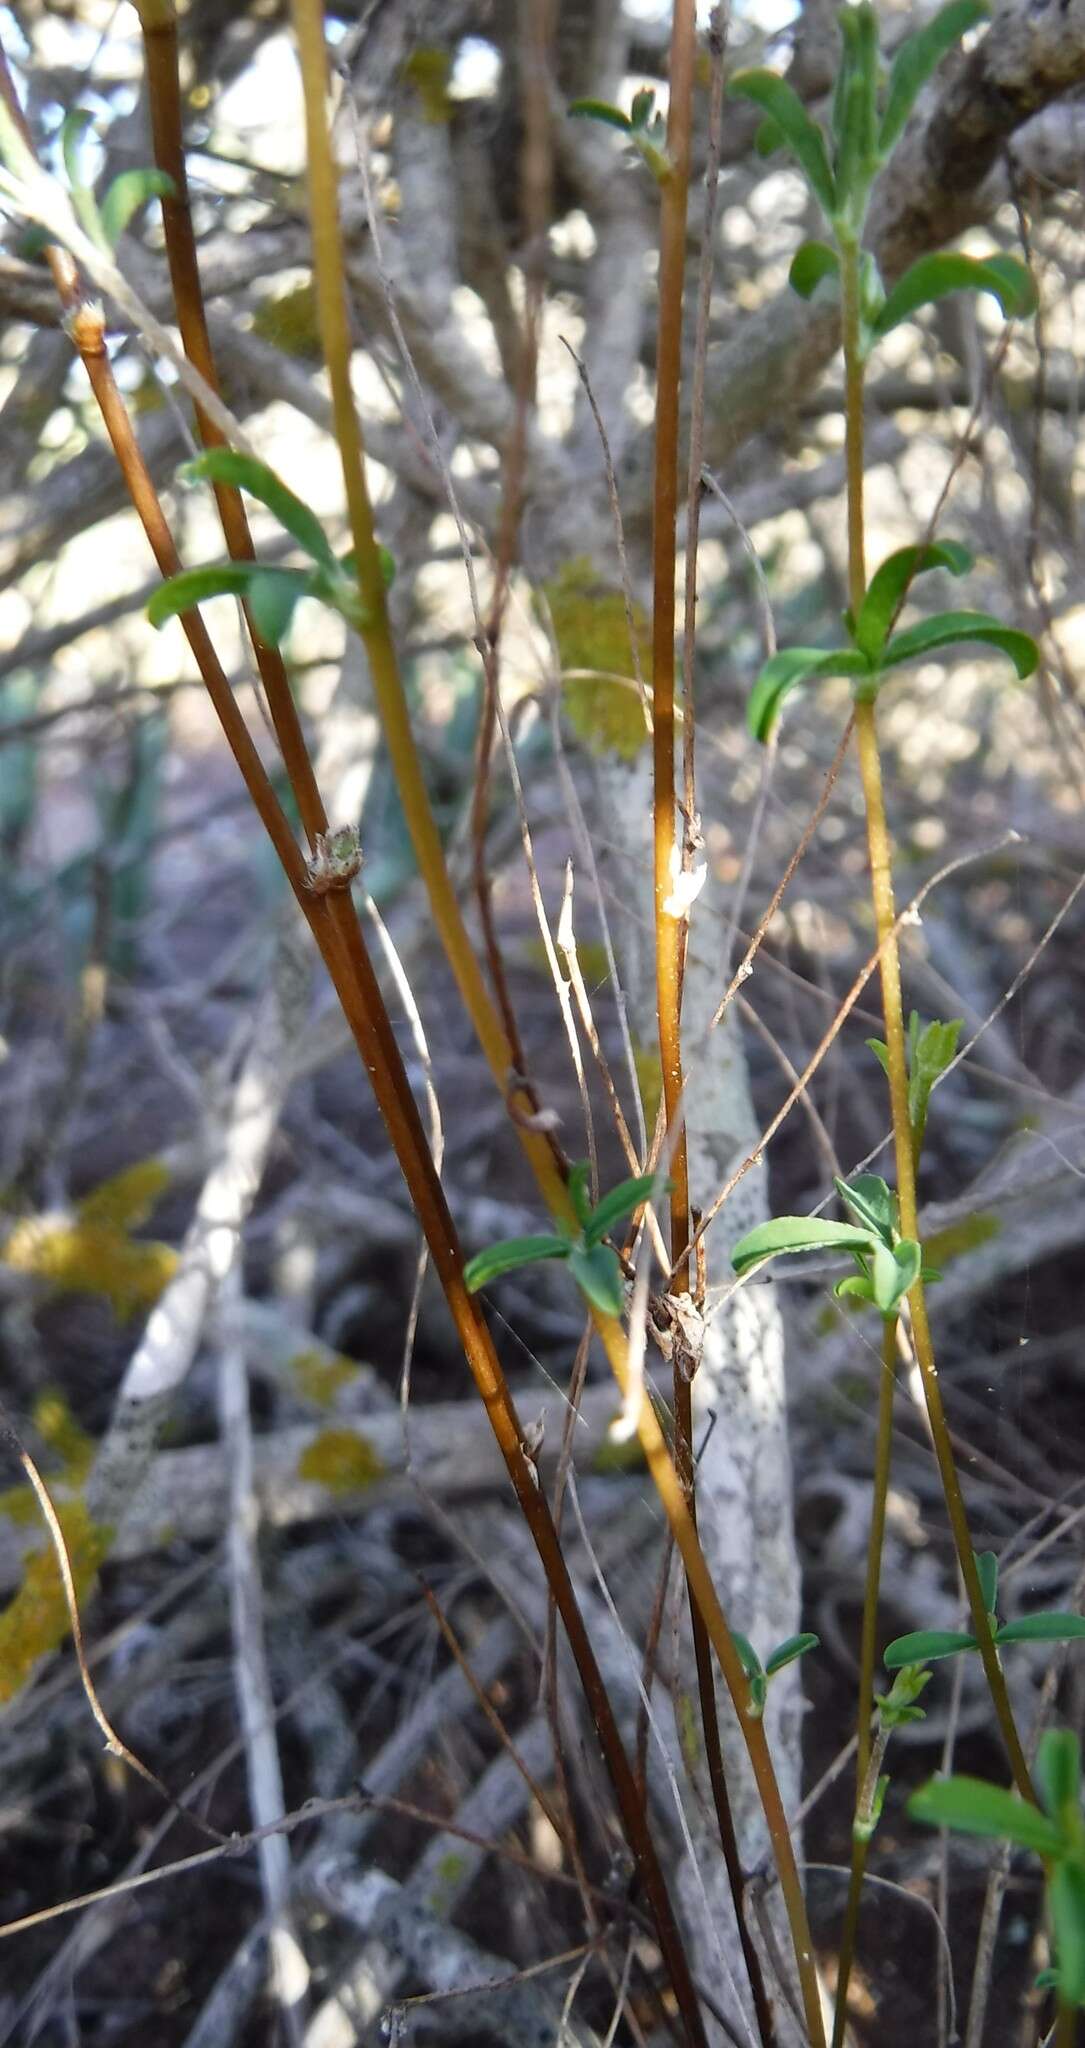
<point x="657" y="1265"/>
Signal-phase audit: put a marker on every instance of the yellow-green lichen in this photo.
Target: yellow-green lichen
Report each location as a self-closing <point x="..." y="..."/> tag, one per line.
<point x="289" y="321"/>
<point x="57" y="1427"/>
<point x="649" y="1081"/>
<point x="92" y="1251"/>
<point x="958" y="1238"/>
<point x="618" y="1454"/>
<point x="451" y="1869"/>
<point x="429" y="70"/>
<point x="36" y="1619"/>
<point x="342" y="1460"/>
<point x="689" y="1734"/>
<point x="320" y="1375"/>
<point x="17" y="1504"/>
<point x="588" y="615"/>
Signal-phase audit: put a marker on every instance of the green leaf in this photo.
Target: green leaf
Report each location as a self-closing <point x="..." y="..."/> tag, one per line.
<point x="855" y="113"/>
<point x="1042" y="1628"/>
<point x="129" y="191"/>
<point x="193" y="586"/>
<point x="987" y="1574"/>
<point x="889" y="586"/>
<point x="787" y="1651"/>
<point x="930" y="1052"/>
<point x="871" y="1203"/>
<point x="811" y="264"/>
<point x="768" y="138"/>
<point x="601" y="110"/>
<point x="783" y="673"/>
<point x="1058" y="1770"/>
<point x="579" y="1177"/>
<point x="598" y="1274"/>
<point x="854" y="1287"/>
<point x="643" y="107"/>
<point x="926" y="1646"/>
<point x="747" y="1655"/>
<point x="952" y="629"/>
<point x="894" y="1273"/>
<point x="72" y="130"/>
<point x="1066" y="1899"/>
<point x="798" y="1234"/>
<point x="621" y="1201"/>
<point x="881" y="1053"/>
<point x="272" y="596"/>
<point x="976" y="1808"/>
<point x="505" y="1257"/>
<point x="897" y="1707"/>
<point x="934" y="277"/>
<point x="918" y="56"/>
<point x="804" y="138"/>
<point x="227" y="466"/>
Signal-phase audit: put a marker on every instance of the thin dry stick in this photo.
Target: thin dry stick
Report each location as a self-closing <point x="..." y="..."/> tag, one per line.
<point x="488" y="1709"/>
<point x="114" y="1743"/>
<point x="619" y="532"/>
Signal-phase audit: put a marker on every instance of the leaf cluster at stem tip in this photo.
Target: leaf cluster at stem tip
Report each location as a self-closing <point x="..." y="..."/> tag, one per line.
<point x="876" y="649"/>
<point x="642" y="127"/>
<point x="887" y="1266"/>
<point x="594" y="1265"/>
<point x="271" y="594"/>
<point x="1055" y="1832"/>
<point x="929" y="1646"/>
<point x="760" y="1675"/>
<point x="840" y="165"/>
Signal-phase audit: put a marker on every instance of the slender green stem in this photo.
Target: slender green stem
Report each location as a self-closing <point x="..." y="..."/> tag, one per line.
<point x="881" y="882"/>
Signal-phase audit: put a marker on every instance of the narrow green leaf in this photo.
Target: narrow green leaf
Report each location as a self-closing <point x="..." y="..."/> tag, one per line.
<point x="598" y="1275"/>
<point x="193" y="586"/>
<point x="601" y="110"/>
<point x="643" y="107"/>
<point x="1058" y="1770"/>
<point x="926" y="1646"/>
<point x="934" y="277"/>
<point x="768" y="138"/>
<point x="952" y="629"/>
<point x="889" y="586"/>
<point x="228" y="466"/>
<point x="811" y="264"/>
<point x="272" y="597"/>
<point x="897" y="1707"/>
<point x="917" y="58"/>
<point x="747" y="1655"/>
<point x="783" y="673"/>
<point x="798" y="1234"/>
<point x="854" y="113"/>
<point x="1042" y="1628"/>
<point x="787" y="1651"/>
<point x="505" y="1257"/>
<point x="579" y="1178"/>
<point x="804" y="138"/>
<point x="854" y="1287"/>
<point x="1066" y="1899"/>
<point x="871" y="1203"/>
<point x="987" y="1574"/>
<point x="976" y="1808"/>
<point x="72" y="130"/>
<point x="621" y="1201"/>
<point x="129" y="191"/>
<point x="881" y="1052"/>
<point x="894" y="1273"/>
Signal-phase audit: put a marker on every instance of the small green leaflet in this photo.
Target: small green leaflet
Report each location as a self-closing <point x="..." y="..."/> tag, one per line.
<point x="798" y="1234"/>
<point x="804" y="138"/>
<point x="977" y="1808"/>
